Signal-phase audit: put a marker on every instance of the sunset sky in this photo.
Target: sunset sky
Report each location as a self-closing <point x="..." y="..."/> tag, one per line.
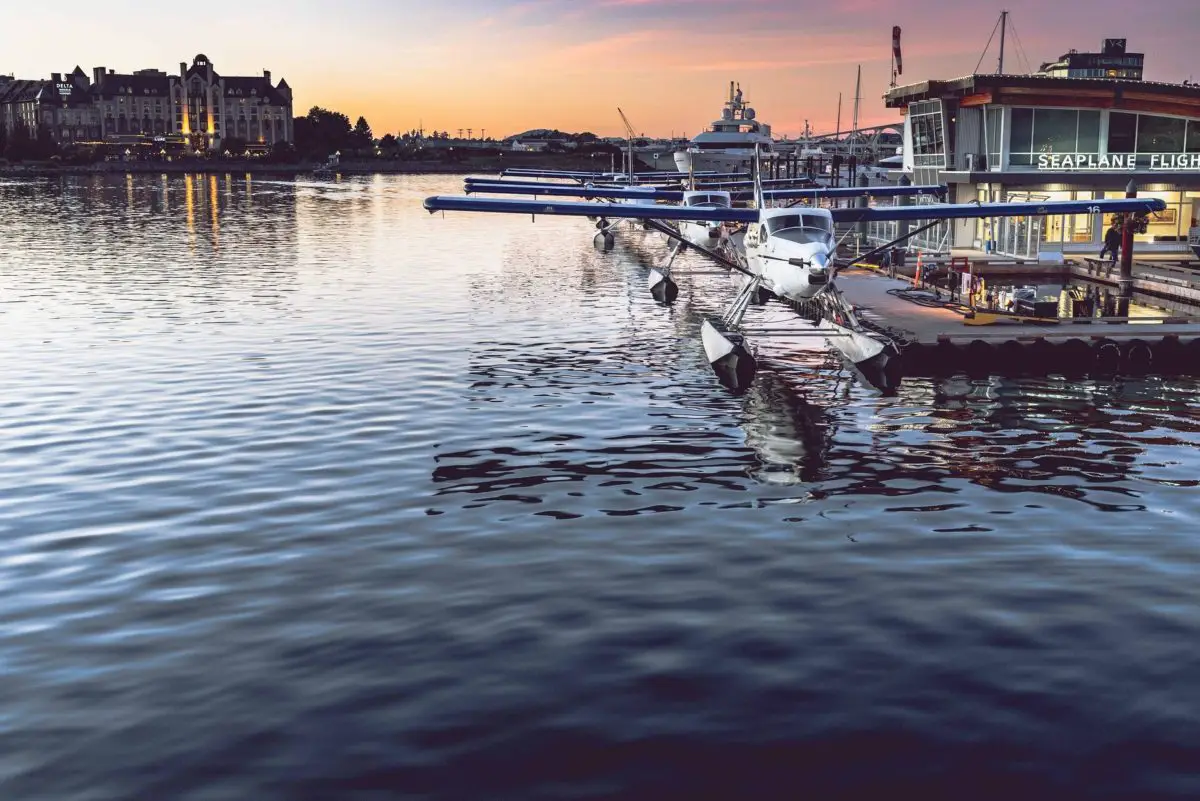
<point x="509" y="65"/>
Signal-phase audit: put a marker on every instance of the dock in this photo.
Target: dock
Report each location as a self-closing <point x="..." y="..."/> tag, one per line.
<point x="936" y="337"/>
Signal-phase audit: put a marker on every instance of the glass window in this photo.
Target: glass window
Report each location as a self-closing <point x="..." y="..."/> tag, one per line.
<point x="818" y="221"/>
<point x="1089" y="132"/>
<point x="1122" y="132"/>
<point x="1193" y="136"/>
<point x="1022" y="131"/>
<point x="785" y="221"/>
<point x="1160" y="134"/>
<point x="801" y="229"/>
<point x="1054" y="130"/>
<point x="995" y="117"/>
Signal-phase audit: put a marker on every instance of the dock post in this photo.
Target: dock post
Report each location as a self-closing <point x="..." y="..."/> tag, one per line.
<point x="1125" y="281"/>
<point x="863" y="183"/>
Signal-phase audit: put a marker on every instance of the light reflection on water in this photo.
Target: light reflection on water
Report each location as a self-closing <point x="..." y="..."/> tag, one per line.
<point x="306" y="493"/>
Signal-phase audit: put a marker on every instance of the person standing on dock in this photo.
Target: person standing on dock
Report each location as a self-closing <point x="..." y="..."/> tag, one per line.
<point x="1112" y="243"/>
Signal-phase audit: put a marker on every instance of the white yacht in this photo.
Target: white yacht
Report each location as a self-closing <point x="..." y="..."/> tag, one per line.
<point x="728" y="145"/>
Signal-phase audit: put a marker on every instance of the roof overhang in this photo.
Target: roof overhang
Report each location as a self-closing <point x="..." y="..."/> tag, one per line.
<point x="1041" y="90"/>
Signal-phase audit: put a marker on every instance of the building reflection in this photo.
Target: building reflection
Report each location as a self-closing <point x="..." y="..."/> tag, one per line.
<point x="126" y="232"/>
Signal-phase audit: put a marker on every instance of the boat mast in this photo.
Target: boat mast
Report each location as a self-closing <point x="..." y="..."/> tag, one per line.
<point x="1003" y="27"/>
<point x="838" y="136"/>
<point x="857" y="98"/>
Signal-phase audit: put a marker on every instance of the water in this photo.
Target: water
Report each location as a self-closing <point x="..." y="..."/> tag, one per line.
<point x="308" y="494"/>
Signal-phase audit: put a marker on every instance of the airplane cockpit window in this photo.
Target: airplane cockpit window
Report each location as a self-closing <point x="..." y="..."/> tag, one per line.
<point x="709" y="200"/>
<point x="801" y="228"/>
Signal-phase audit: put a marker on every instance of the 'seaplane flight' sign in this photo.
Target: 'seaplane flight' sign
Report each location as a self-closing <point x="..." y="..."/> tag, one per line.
<point x="1125" y="161"/>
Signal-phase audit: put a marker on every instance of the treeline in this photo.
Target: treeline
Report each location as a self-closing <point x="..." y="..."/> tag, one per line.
<point x="21" y="144"/>
<point x="317" y="135"/>
<point x="321" y="133"/>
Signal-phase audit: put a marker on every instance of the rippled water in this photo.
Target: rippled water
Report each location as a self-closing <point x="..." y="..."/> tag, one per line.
<point x="307" y="494"/>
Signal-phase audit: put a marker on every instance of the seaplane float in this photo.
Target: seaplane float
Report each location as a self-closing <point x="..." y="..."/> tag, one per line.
<point x="786" y="253"/>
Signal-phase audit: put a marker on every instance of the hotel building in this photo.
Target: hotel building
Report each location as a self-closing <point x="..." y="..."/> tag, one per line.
<point x="1055" y="136"/>
<point x="199" y="105"/>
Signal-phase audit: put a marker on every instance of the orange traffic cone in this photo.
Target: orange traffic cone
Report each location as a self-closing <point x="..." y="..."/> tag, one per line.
<point x="917" y="275"/>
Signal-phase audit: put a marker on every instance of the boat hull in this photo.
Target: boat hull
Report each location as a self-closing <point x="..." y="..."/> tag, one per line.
<point x="715" y="161"/>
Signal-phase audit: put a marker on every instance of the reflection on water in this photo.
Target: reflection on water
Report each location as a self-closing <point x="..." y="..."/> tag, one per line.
<point x="305" y="493"/>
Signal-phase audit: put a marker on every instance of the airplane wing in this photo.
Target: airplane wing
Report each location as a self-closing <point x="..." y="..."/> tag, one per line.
<point x="799" y="183"/>
<point x="522" y="172"/>
<point x="952" y="211"/>
<point x="566" y="190"/>
<point x="492" y="186"/>
<point x="632" y="211"/>
<point x="855" y="192"/>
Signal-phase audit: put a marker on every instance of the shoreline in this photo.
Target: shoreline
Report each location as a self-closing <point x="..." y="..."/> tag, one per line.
<point x="349" y="167"/>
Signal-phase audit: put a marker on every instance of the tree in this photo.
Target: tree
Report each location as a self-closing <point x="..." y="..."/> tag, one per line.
<point x="283" y="153"/>
<point x="388" y="142"/>
<point x="322" y="132"/>
<point x="20" y="144"/>
<point x="3" y="138"/>
<point x="362" y="137"/>
<point x="44" y="146"/>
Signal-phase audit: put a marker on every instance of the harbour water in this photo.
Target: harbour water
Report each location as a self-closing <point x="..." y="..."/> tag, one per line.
<point x="308" y="494"/>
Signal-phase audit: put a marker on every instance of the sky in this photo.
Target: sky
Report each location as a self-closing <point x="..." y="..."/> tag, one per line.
<point x="506" y="66"/>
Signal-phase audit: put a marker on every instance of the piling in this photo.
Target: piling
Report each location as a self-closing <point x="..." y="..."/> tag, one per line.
<point x="1125" y="282"/>
<point x="861" y="227"/>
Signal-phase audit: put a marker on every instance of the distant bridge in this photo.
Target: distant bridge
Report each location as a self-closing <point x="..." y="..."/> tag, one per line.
<point x="869" y="133"/>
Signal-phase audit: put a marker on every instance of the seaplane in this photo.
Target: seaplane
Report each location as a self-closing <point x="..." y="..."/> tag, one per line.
<point x="788" y="254"/>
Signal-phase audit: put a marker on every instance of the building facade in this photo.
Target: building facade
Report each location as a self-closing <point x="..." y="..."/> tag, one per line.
<point x="199" y="104"/>
<point x="995" y="138"/>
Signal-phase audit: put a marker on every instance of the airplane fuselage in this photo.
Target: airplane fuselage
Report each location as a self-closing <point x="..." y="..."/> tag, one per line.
<point x="707" y="235"/>
<point x="791" y="249"/>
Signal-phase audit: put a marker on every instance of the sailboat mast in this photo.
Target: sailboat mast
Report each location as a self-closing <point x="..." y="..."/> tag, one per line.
<point x="857" y="98"/>
<point x="1003" y="28"/>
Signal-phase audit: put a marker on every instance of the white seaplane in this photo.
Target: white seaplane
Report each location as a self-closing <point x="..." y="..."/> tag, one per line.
<point x="790" y="253"/>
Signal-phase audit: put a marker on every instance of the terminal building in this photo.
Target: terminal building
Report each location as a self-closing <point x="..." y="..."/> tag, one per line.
<point x="1065" y="133"/>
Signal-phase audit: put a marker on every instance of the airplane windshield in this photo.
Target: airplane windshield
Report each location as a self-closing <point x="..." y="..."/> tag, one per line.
<point x="708" y="200"/>
<point x="801" y="228"/>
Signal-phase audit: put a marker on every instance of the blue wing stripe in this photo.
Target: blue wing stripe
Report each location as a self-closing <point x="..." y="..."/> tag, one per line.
<point x="492" y="186"/>
<point x="857" y="191"/>
<point x="633" y="211"/>
<point x="522" y="172"/>
<point x="564" y="190"/>
<point x="949" y="211"/>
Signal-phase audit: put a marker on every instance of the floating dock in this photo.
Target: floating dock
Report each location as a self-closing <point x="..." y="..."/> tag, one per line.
<point x="935" y="337"/>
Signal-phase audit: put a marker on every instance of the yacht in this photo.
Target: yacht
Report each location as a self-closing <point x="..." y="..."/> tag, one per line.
<point x="728" y="145"/>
